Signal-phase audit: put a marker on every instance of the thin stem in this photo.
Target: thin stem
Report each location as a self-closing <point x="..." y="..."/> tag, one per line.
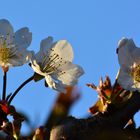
<point x="19" y="88"/>
<point x="4" y="85"/>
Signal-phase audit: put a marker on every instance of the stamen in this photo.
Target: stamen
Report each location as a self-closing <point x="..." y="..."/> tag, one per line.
<point x="136" y="73"/>
<point x="52" y="62"/>
<point x="13" y="51"/>
<point x="5" y="51"/>
<point x="4" y="54"/>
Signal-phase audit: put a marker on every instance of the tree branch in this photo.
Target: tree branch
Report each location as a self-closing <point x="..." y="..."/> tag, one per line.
<point x="111" y="122"/>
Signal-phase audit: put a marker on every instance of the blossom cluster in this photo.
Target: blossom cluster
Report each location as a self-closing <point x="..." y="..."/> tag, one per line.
<point x="127" y="80"/>
<point x="53" y="61"/>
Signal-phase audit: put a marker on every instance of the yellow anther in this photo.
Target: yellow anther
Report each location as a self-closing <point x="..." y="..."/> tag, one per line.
<point x="4" y="54"/>
<point x="136" y="73"/>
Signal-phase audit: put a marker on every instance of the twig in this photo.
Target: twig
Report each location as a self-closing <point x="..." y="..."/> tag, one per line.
<point x="19" y="88"/>
<point x="85" y="129"/>
<point x="4" y="85"/>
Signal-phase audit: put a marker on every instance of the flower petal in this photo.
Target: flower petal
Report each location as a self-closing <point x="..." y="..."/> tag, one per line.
<point x="63" y="49"/>
<point x="20" y="58"/>
<point x="5" y="28"/>
<point x="69" y="74"/>
<point x="46" y="44"/>
<point x="23" y="37"/>
<point x="125" y="57"/>
<point x="125" y="80"/>
<point x="36" y="67"/>
<point x="136" y="55"/>
<point x="56" y="86"/>
<point x="136" y="86"/>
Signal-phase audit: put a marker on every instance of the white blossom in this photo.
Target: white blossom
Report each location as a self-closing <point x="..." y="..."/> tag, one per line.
<point x="13" y="46"/>
<point x="129" y="59"/>
<point x="54" y="62"/>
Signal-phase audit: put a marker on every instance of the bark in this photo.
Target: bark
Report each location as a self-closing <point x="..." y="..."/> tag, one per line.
<point x="110" y="125"/>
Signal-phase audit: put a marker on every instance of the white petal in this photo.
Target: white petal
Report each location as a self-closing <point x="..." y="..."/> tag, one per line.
<point x="46" y="44"/>
<point x="122" y="42"/>
<point x="15" y="62"/>
<point x="48" y="50"/>
<point x="21" y="57"/>
<point x="125" y="56"/>
<point x="23" y="37"/>
<point x="5" y="28"/>
<point x="71" y="75"/>
<point x="136" y="86"/>
<point x="36" y="68"/>
<point x="38" y="57"/>
<point x="125" y="80"/>
<point x="56" y="86"/>
<point x="63" y="49"/>
<point x="136" y="55"/>
<point x="24" y="54"/>
<point x="60" y="87"/>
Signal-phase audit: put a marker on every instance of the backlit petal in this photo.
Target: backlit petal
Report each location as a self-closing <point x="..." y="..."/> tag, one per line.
<point x="70" y="74"/>
<point x="46" y="44"/>
<point x="5" y="28"/>
<point x="63" y="49"/>
<point x="20" y="58"/>
<point x="126" y="47"/>
<point x="23" y="37"/>
<point x="56" y="86"/>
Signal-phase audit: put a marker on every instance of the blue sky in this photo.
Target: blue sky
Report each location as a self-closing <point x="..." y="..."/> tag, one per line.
<point x="93" y="27"/>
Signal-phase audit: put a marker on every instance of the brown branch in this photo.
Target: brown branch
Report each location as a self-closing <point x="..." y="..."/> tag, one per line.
<point x="62" y="106"/>
<point x="108" y="124"/>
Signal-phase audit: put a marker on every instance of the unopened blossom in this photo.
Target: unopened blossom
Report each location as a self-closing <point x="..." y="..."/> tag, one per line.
<point x="13" y="46"/>
<point x="129" y="59"/>
<point x="108" y="93"/>
<point x="54" y="62"/>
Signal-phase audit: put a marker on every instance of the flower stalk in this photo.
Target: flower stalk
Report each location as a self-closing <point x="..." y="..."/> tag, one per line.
<point x="4" y="85"/>
<point x="19" y="88"/>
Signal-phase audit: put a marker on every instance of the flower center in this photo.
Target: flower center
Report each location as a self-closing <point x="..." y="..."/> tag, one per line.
<point x="136" y="73"/>
<point x="4" y="54"/>
<point x="7" y="48"/>
<point x="52" y="62"/>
